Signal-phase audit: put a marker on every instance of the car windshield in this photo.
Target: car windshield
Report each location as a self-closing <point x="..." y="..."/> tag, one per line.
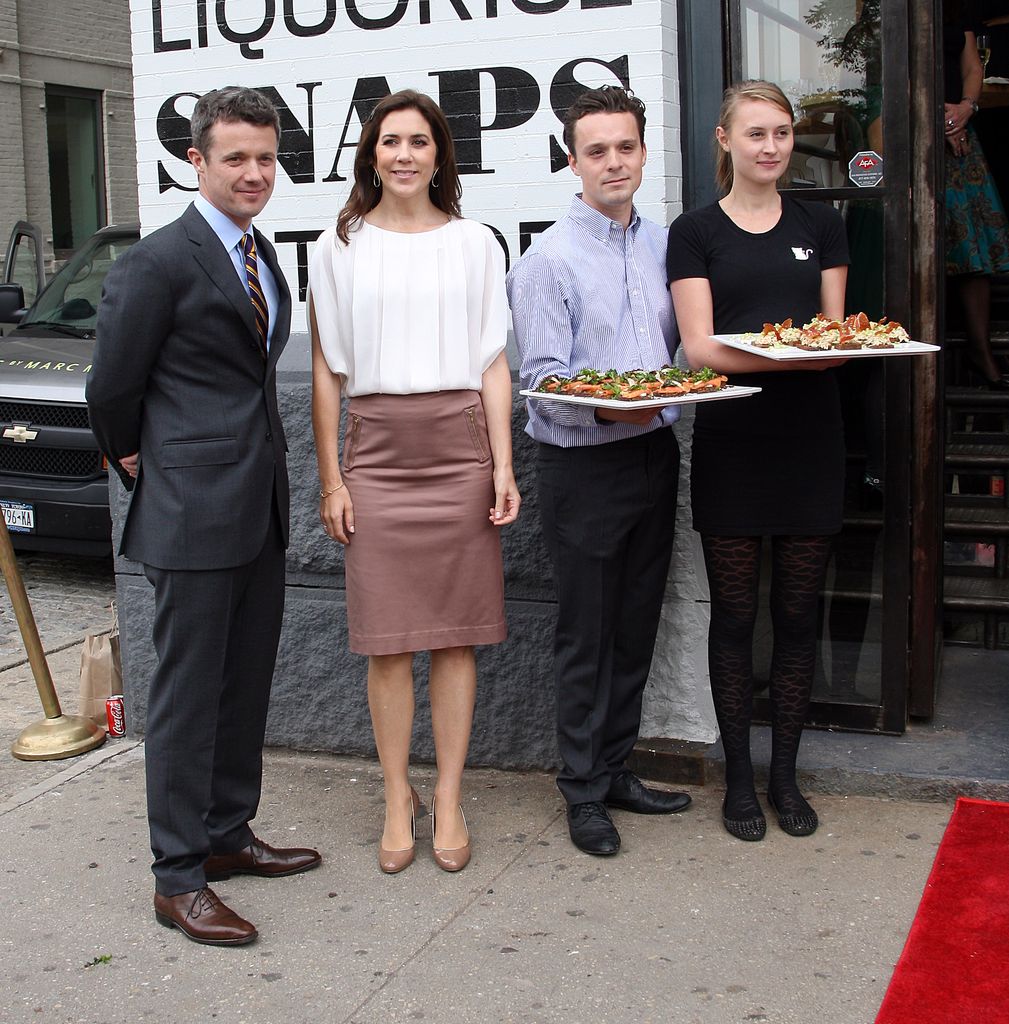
<point x="71" y="299"/>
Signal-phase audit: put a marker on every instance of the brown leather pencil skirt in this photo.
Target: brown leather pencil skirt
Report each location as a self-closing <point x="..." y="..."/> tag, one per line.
<point x="424" y="564"/>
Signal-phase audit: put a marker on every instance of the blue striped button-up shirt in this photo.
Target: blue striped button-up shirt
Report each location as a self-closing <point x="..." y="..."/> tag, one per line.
<point x="590" y="294"/>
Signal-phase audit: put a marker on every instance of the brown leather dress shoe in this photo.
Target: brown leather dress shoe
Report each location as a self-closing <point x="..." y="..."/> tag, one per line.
<point x="262" y="860"/>
<point x="202" y="917"/>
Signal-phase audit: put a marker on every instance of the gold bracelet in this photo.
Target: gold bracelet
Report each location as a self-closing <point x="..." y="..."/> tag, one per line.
<point x="326" y="494"/>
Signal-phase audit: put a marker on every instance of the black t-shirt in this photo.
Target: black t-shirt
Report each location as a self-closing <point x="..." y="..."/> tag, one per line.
<point x="757" y="279"/>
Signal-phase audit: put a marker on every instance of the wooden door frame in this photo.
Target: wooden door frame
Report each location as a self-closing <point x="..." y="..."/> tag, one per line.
<point x="928" y="287"/>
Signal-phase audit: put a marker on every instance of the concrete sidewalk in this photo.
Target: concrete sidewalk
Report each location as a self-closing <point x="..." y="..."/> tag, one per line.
<point x="686" y="924"/>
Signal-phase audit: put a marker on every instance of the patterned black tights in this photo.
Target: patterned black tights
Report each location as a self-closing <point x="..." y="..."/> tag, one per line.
<point x="733" y="565"/>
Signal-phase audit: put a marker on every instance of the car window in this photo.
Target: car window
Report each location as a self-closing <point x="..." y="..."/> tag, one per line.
<point x="23" y="264"/>
<point x="71" y="298"/>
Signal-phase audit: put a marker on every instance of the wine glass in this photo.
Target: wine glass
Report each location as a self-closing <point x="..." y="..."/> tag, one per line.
<point x="984" y="51"/>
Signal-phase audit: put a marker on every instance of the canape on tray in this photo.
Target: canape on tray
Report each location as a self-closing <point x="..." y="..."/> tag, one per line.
<point x="635" y="385"/>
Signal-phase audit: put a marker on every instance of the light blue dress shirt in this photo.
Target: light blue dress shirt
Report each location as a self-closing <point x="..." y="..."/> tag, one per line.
<point x="589" y="293"/>
<point x="230" y="235"/>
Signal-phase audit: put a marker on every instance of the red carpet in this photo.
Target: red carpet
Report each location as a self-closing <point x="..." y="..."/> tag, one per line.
<point x="955" y="964"/>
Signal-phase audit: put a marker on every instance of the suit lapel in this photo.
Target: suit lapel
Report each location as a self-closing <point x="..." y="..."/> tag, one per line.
<point x="217" y="265"/>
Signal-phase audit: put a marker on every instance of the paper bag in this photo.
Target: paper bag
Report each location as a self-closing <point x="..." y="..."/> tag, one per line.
<point x="101" y="672"/>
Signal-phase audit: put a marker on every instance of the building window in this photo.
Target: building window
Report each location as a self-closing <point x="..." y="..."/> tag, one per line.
<point x="76" y="168"/>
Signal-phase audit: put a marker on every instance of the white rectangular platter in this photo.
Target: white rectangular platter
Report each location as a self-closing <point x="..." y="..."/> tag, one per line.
<point x="908" y="348"/>
<point x="729" y="391"/>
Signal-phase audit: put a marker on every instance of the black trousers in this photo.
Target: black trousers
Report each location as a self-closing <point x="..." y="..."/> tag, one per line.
<point x="216" y="634"/>
<point x="608" y="513"/>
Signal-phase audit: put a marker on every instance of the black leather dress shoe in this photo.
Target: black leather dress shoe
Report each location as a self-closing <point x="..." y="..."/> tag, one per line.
<point x="629" y="793"/>
<point x="592" y="830"/>
<point x="262" y="860"/>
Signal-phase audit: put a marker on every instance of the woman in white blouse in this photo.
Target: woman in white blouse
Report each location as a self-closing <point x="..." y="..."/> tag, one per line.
<point x="409" y="317"/>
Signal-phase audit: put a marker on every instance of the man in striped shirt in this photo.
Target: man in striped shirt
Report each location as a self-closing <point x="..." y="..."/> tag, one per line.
<point x="591" y="292"/>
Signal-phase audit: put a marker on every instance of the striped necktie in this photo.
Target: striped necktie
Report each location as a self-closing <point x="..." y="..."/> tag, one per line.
<point x="259" y="306"/>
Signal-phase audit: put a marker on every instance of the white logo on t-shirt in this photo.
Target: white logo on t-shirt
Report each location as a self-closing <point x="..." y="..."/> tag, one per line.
<point x="800" y="254"/>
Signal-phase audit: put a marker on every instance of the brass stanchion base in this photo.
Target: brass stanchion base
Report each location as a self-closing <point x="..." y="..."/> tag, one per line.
<point x="55" y="738"/>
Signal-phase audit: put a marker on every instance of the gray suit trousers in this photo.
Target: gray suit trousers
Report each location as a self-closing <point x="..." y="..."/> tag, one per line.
<point x="216" y="634"/>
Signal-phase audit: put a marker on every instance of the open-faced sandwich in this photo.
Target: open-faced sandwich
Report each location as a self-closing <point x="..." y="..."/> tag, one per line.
<point x="822" y="334"/>
<point x="635" y="385"/>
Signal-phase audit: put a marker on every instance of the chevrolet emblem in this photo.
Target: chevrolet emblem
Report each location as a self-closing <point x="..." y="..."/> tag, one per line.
<point x="21" y="433"/>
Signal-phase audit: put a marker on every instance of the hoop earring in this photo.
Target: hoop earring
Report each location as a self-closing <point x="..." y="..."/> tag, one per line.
<point x="378" y="180"/>
<point x="434" y="182"/>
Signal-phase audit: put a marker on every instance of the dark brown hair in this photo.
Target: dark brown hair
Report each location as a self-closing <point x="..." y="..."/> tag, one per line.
<point x="733" y="96"/>
<point x="364" y="196"/>
<point x="608" y="99"/>
<point x="231" y="104"/>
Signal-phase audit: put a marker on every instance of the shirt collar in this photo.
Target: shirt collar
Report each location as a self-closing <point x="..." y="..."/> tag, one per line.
<point x="598" y="224"/>
<point x="222" y="225"/>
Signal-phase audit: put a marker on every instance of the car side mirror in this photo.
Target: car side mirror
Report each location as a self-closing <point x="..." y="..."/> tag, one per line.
<point x="12" y="303"/>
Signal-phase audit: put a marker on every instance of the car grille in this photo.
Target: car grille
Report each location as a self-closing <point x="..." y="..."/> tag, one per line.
<point x="68" y="463"/>
<point x="39" y="415"/>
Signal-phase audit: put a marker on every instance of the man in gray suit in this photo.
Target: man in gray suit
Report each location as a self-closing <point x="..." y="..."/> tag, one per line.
<point x="183" y="400"/>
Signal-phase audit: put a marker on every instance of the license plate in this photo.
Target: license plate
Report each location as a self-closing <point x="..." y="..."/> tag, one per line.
<point x="20" y="518"/>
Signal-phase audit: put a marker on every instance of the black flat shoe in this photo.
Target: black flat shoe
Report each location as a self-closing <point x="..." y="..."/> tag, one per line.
<point x="592" y="830"/>
<point x="750" y="830"/>
<point x="629" y="793"/>
<point x="795" y="824"/>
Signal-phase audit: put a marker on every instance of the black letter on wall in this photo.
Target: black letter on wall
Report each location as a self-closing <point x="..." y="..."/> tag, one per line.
<point x="296" y="153"/>
<point x="540" y="6"/>
<point x="160" y="44"/>
<point x="201" y="24"/>
<point x="175" y="135"/>
<point x="528" y="228"/>
<point x="301" y="239"/>
<point x="504" y="245"/>
<point x="367" y="93"/>
<point x="458" y="5"/>
<point x="565" y="89"/>
<point x="269" y="13"/>
<point x="393" y="18"/>
<point x="516" y="99"/>
<point x="320" y="29"/>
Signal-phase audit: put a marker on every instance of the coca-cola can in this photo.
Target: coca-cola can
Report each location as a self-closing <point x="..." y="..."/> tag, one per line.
<point x="115" y="712"/>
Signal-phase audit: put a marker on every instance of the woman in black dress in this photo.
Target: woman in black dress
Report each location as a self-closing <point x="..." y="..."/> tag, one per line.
<point x="771" y="465"/>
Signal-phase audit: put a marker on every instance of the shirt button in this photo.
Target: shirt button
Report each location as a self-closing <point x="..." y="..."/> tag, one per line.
<point x="269" y="437"/>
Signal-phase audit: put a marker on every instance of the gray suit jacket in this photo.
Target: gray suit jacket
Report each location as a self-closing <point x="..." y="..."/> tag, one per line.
<point x="178" y="376"/>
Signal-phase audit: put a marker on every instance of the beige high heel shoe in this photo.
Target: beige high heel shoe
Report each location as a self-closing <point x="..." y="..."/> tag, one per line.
<point x="455" y="859"/>
<point x="394" y="861"/>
